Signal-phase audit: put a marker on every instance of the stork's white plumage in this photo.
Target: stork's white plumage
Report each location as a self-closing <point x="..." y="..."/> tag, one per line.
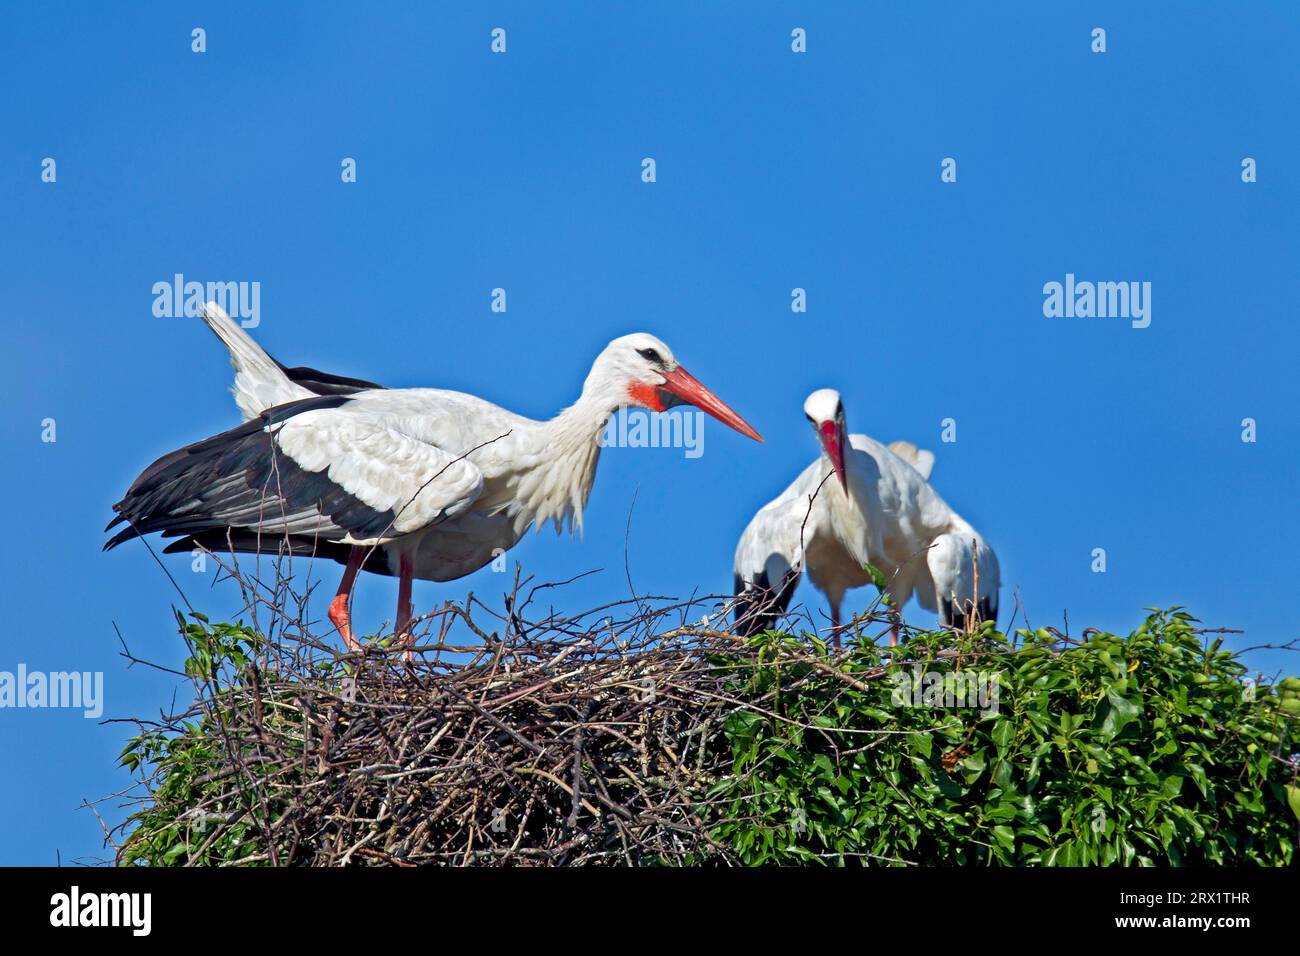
<point x="861" y="502"/>
<point x="416" y="482"/>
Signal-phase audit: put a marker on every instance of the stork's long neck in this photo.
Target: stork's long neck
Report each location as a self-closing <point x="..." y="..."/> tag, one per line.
<point x="851" y="515"/>
<point x="556" y="488"/>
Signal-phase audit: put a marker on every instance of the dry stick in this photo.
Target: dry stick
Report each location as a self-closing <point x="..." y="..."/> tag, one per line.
<point x="627" y="537"/>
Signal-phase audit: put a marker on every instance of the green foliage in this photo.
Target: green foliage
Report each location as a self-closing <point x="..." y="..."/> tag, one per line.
<point x="1150" y="749"/>
<point x="191" y="816"/>
<point x="1146" y="750"/>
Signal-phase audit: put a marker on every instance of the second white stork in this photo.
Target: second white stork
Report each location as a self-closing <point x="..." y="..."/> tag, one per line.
<point x="881" y="510"/>
<point x="414" y="482"/>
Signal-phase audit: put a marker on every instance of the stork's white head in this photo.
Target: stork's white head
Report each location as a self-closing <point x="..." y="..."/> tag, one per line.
<point x="639" y="369"/>
<point x="825" y="412"/>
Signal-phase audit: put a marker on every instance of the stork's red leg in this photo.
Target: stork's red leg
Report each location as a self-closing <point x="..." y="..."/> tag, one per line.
<point x="835" y="625"/>
<point x="896" y="601"/>
<point x="340" y="612"/>
<point x="401" y="630"/>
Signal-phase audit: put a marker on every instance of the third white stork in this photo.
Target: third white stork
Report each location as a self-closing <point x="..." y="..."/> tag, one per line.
<point x="413" y="482"/>
<point x="879" y="510"/>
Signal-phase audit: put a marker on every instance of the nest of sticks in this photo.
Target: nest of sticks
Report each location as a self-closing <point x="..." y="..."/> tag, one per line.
<point x="516" y="736"/>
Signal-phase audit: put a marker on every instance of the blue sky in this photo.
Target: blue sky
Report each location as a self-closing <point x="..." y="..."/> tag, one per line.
<point x="774" y="171"/>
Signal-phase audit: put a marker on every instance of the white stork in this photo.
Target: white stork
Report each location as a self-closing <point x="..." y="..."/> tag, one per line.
<point x="413" y="482"/>
<point x="880" y="510"/>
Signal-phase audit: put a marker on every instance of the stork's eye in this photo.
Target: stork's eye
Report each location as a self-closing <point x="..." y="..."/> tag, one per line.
<point x="650" y="355"/>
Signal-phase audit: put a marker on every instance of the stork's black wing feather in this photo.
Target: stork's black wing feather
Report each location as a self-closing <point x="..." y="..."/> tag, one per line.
<point x="759" y="605"/>
<point x="239" y="541"/>
<point x="954" y="613"/>
<point x="240" y="479"/>
<point x="325" y="383"/>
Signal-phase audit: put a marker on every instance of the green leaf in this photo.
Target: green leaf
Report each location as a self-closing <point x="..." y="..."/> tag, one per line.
<point x="1003" y="733"/>
<point x="1119" y="712"/>
<point x="921" y="744"/>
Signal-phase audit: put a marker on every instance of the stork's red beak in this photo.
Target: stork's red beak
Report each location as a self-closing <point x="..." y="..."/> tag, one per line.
<point x="687" y="388"/>
<point x="831" y="435"/>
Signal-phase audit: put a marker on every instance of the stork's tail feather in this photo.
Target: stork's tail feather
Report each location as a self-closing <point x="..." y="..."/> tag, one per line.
<point x="918" y="458"/>
<point x="260" y="381"/>
<point x="244" y="352"/>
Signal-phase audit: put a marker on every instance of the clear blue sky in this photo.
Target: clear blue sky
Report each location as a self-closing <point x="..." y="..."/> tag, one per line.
<point x="775" y="171"/>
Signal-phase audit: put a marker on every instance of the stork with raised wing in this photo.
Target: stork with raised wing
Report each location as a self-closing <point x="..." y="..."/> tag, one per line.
<point x="412" y="482"/>
<point x="879" y="510"/>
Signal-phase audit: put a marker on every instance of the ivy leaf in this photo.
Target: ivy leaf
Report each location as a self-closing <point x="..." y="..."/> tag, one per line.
<point x="1003" y="733"/>
<point x="920" y="744"/>
<point x="1120" y="711"/>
